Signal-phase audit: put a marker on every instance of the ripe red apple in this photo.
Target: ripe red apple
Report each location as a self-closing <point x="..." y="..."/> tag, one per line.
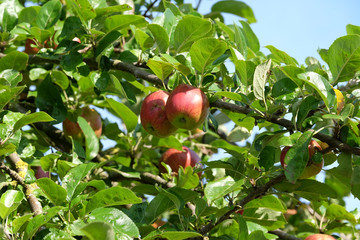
<point x="320" y="237"/>
<point x="76" y="39"/>
<point x="28" y="48"/>
<point x="153" y="117"/>
<point x="312" y="168"/>
<point x="187" y="107"/>
<point x="39" y="173"/>
<point x="176" y="158"/>
<point x="73" y="129"/>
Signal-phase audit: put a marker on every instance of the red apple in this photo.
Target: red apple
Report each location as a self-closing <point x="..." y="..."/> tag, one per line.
<point x="312" y="168"/>
<point x="176" y="158"/>
<point x="73" y="129"/>
<point x="28" y="48"/>
<point x="39" y="173"/>
<point x="76" y="39"/>
<point x="241" y="211"/>
<point x="187" y="107"/>
<point x="153" y="117"/>
<point x="320" y="237"/>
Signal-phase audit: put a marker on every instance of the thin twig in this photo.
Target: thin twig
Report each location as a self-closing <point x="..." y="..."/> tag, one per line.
<point x="149" y="7"/>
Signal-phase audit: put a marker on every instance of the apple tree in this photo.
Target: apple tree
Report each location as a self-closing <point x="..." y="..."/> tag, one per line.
<point x="90" y="61"/>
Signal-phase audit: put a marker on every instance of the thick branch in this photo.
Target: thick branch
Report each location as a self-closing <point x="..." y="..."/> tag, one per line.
<point x="283" y="235"/>
<point x="34" y="203"/>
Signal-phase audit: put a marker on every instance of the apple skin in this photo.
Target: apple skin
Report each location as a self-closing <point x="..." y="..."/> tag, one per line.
<point x="310" y="170"/>
<point x="176" y="158"/>
<point x="29" y="49"/>
<point x="73" y="129"/>
<point x="187" y="107"/>
<point x="35" y="50"/>
<point x="39" y="173"/>
<point x="320" y="237"/>
<point x="153" y="117"/>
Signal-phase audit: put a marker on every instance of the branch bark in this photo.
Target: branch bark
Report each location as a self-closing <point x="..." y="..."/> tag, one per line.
<point x="283" y="235"/>
<point x="15" y="160"/>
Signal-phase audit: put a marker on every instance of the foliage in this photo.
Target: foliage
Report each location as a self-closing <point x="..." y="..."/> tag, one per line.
<point x="112" y="189"/>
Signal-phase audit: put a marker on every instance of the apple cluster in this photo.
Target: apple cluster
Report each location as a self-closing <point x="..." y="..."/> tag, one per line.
<point x="185" y="107"/>
<point x="162" y="113"/>
<point x="312" y="168"/>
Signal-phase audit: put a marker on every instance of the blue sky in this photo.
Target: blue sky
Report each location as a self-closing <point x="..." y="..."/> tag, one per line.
<point x="297" y="27"/>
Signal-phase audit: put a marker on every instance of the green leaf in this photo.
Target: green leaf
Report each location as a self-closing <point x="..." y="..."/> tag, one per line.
<point x="91" y="140"/>
<point x="221" y="187"/>
<point x="352" y="29"/>
<point x="322" y="87"/>
<point x="32" y="118"/>
<point x="161" y="37"/>
<point x="267" y="157"/>
<point x="57" y="234"/>
<point x="337" y="212"/>
<point x="72" y="26"/>
<point x="143" y="39"/>
<point x="169" y="142"/>
<point x="162" y="202"/>
<point x="112" y="197"/>
<point x="260" y="77"/>
<point x="9" y="202"/>
<point x="307" y="104"/>
<point x="283" y="87"/>
<point x="265" y="217"/>
<point x="161" y="68"/>
<point x="98" y="230"/>
<point x="243" y="228"/>
<point x="82" y="8"/>
<point x="17" y="223"/>
<point x="269" y="201"/>
<point x="173" y="235"/>
<point x="355" y="182"/>
<point x="104" y="11"/>
<point x="118" y="22"/>
<point x="237" y="8"/>
<point x="49" y="100"/>
<point x="34" y="224"/>
<point x="47" y="162"/>
<point x="13" y="77"/>
<point x="338" y="177"/>
<point x="240" y="41"/>
<point x="188" y="30"/>
<point x="107" y="41"/>
<point x="9" y="12"/>
<point x="7" y="148"/>
<point x="230" y="95"/>
<point x="297" y="157"/>
<point x="187" y="178"/>
<point x="72" y="180"/>
<point x="232" y="149"/>
<point x="204" y="52"/>
<point x="14" y="60"/>
<point x="60" y="79"/>
<point x="49" y="14"/>
<point x="344" y="58"/>
<point x="245" y="71"/>
<point x="282" y="56"/>
<point x="251" y="38"/>
<point x="123" y="226"/>
<point x="121" y="110"/>
<point x="55" y="193"/>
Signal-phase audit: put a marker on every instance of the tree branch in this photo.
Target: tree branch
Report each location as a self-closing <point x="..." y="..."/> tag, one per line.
<point x="257" y="192"/>
<point x="14" y="159"/>
<point x="283" y="235"/>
